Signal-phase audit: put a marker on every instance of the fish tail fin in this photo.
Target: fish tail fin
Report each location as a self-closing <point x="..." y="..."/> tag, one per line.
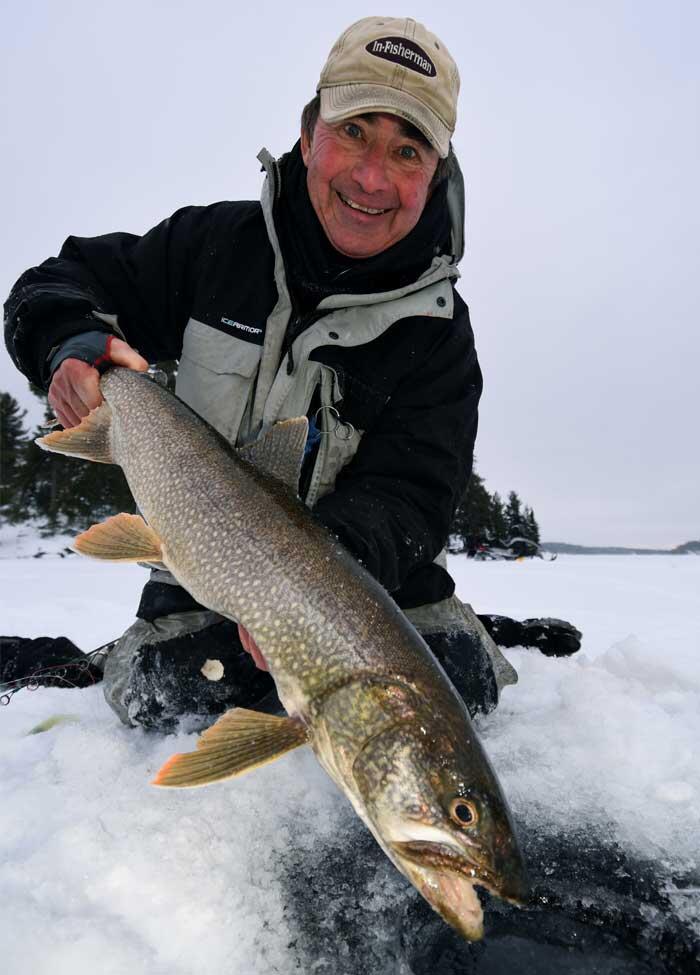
<point x="90" y="440"/>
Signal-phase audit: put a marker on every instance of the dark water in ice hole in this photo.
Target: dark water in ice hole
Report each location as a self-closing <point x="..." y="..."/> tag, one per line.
<point x="595" y="911"/>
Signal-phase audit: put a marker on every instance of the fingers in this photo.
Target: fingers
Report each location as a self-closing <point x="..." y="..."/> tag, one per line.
<point x="122" y="354"/>
<point x="74" y="391"/>
<point x="245" y="638"/>
<point x="75" y="387"/>
<point x="251" y="647"/>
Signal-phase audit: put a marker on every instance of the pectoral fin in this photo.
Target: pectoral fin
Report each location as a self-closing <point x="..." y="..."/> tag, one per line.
<point x="90" y="440"/>
<point x="239" y="741"/>
<point x="122" y="538"/>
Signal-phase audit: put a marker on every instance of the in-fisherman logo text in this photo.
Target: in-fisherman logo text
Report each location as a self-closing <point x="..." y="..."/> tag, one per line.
<point x="402" y="51"/>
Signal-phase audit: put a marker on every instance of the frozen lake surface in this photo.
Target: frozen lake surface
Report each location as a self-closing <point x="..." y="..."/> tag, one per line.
<point x="273" y="873"/>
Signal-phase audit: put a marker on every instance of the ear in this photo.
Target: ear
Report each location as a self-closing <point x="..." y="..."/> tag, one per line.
<point x="305" y="147"/>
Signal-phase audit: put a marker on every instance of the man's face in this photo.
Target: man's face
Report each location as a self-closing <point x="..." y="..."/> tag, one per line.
<point x="362" y="164"/>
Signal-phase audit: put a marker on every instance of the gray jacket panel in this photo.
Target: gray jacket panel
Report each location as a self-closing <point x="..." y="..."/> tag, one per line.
<point x="241" y="388"/>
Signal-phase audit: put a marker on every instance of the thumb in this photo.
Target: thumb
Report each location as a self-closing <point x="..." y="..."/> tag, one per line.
<point x="122" y="354"/>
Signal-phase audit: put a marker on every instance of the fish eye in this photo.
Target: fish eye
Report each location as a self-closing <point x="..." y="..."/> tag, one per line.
<point x="463" y="812"/>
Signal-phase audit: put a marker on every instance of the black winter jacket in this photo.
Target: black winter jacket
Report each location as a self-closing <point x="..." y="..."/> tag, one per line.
<point x="414" y="390"/>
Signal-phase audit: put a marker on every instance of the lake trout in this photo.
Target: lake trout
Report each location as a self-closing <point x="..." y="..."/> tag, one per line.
<point x="359" y="684"/>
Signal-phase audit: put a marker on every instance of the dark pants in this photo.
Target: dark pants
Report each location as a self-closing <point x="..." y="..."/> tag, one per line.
<point x="190" y="663"/>
<point x="180" y="661"/>
<point x="162" y="682"/>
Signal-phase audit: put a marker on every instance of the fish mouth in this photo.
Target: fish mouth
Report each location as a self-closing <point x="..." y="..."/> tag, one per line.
<point x="447" y="878"/>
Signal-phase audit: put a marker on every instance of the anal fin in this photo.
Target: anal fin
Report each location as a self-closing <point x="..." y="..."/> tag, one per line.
<point x="90" y="440"/>
<point x="122" y="538"/>
<point x="240" y="740"/>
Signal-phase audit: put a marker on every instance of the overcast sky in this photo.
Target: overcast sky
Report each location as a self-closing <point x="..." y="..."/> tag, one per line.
<point x="579" y="138"/>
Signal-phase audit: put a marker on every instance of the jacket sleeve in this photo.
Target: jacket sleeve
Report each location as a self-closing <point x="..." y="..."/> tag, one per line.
<point x="136" y="287"/>
<point x="393" y="503"/>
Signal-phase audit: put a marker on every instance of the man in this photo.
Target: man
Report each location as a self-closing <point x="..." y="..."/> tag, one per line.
<point x="334" y="297"/>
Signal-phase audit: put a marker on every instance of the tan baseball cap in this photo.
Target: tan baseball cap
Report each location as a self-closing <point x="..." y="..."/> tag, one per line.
<point x="395" y="65"/>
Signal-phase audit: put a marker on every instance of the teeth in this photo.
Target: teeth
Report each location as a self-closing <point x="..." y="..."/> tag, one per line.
<point x="356" y="206"/>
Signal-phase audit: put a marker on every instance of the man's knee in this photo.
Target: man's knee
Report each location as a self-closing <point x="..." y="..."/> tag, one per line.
<point x="468" y="666"/>
<point x="469" y="656"/>
<point x="185" y="664"/>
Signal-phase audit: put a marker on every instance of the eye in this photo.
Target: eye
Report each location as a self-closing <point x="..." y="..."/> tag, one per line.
<point x="408" y="152"/>
<point x="353" y="130"/>
<point x="463" y="812"/>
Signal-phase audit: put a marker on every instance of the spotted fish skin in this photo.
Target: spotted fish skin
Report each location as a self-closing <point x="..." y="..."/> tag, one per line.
<point x="379" y="712"/>
<point x="244" y="546"/>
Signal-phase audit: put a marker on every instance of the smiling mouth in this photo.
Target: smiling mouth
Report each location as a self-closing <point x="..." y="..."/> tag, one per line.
<point x="356" y="206"/>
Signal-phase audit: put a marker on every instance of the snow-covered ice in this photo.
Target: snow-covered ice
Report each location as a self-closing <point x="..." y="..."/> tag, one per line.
<point x="612" y="734"/>
<point x="101" y="872"/>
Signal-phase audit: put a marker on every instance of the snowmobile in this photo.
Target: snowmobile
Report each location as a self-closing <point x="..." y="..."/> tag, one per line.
<point x="512" y="550"/>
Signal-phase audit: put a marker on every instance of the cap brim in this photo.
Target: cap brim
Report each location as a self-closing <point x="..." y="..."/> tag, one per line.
<point x="343" y="101"/>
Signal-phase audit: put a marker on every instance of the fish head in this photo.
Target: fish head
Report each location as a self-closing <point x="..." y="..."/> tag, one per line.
<point x="434" y="804"/>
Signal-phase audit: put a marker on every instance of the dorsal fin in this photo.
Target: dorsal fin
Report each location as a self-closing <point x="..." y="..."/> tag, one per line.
<point x="280" y="451"/>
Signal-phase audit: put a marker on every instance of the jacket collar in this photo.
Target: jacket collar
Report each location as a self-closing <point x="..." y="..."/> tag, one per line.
<point x="442" y="266"/>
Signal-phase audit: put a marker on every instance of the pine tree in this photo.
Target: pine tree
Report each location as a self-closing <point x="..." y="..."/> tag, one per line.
<point x="482" y="519"/>
<point x="499" y="528"/>
<point x="513" y="516"/>
<point x="67" y="494"/>
<point x="472" y="522"/>
<point x="532" y="529"/>
<point x="13" y="437"/>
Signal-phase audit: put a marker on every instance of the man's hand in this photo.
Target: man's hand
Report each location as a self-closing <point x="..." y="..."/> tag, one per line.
<point x="75" y="387"/>
<point x="252" y="648"/>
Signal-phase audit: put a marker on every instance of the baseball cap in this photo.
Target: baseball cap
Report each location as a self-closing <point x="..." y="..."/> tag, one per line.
<point x="394" y="65"/>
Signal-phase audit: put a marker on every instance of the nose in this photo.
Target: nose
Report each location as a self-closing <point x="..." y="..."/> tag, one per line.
<point x="369" y="171"/>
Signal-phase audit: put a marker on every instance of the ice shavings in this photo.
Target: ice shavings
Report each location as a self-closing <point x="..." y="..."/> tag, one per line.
<point x="182" y="882"/>
<point x="581" y="746"/>
<point x="609" y="738"/>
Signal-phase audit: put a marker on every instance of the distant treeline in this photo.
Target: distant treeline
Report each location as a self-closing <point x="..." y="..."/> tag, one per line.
<point x="67" y="494"/>
<point x="484" y="519"/>
<point x="565" y="548"/>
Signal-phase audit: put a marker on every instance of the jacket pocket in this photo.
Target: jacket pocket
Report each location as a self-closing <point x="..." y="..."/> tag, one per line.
<point x="339" y="439"/>
<point x="216" y="376"/>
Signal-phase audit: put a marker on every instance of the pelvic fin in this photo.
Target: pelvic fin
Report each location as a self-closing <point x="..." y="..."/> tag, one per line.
<point x="239" y="741"/>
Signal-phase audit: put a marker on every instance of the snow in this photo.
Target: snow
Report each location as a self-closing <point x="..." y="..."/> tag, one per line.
<point x="610" y="735"/>
<point x="100" y="871"/>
